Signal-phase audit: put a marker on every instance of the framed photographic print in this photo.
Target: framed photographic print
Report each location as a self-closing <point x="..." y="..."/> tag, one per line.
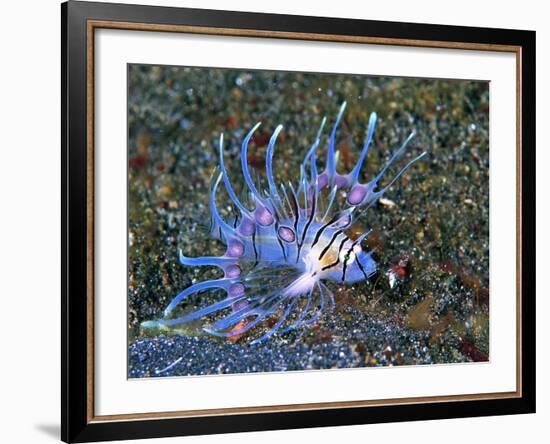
<point x="277" y="221"/>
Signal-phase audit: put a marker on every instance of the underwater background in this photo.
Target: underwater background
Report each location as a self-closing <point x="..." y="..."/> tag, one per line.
<point x="429" y="301"/>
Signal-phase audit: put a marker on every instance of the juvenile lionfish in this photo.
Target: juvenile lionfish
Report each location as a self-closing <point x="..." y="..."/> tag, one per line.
<point x="281" y="252"/>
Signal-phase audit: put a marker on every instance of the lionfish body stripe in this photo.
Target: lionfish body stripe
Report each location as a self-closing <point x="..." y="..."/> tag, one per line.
<point x="286" y="242"/>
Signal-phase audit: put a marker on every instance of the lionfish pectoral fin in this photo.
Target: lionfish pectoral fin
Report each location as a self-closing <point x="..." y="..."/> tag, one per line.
<point x="193" y="289"/>
<point x="249" y="299"/>
<point x="268" y="297"/>
<point x="309" y="307"/>
<point x="305" y="307"/>
<point x="279" y="322"/>
<point x="255" y="310"/>
<point x="196" y="288"/>
<point x="196" y="314"/>
<point x="316" y="301"/>
<point x="218" y="261"/>
<point x="303" y="313"/>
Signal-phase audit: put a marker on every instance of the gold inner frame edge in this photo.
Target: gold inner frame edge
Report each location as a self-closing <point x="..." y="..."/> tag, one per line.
<point x="92" y="25"/>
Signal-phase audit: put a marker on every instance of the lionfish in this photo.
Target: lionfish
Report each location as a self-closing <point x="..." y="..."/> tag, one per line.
<point x="285" y="244"/>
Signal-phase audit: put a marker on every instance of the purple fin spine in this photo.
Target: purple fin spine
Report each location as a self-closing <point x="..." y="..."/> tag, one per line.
<point x="315" y="199"/>
<point x="377" y="195"/>
<point x="313" y="170"/>
<point x="287" y="202"/>
<point x="363" y="194"/>
<point x="276" y="205"/>
<point x="227" y="184"/>
<point x="393" y="157"/>
<point x="315" y="144"/>
<point x="201" y="286"/>
<point x="331" y="157"/>
<point x="313" y="157"/>
<point x="304" y="187"/>
<point x="330" y="202"/>
<point x="357" y="168"/>
<point x="276" y="208"/>
<point x="269" y="164"/>
<point x="203" y="311"/>
<point x="295" y="208"/>
<point x="293" y="192"/>
<point x="301" y="181"/>
<point x="217" y="221"/>
<point x="244" y="164"/>
<point x="205" y="260"/>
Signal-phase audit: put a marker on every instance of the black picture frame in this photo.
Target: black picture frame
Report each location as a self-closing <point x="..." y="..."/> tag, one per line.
<point x="77" y="425"/>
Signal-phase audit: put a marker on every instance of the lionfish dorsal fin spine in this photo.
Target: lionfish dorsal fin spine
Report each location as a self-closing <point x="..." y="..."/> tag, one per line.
<point x="244" y="163"/>
<point x="269" y="163"/>
<point x="398" y="175"/>
<point x="217" y="223"/>
<point x="394" y="156"/>
<point x="331" y="157"/>
<point x="354" y="175"/>
<point x="227" y="183"/>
